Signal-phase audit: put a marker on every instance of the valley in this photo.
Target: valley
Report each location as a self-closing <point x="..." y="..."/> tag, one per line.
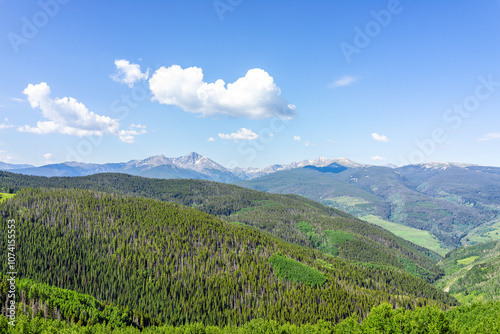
<point x="156" y="238"/>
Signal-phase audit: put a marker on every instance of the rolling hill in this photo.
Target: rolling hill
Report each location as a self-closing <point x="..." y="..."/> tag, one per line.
<point x="179" y="265"/>
<point x="292" y="218"/>
<point x="48" y="309"/>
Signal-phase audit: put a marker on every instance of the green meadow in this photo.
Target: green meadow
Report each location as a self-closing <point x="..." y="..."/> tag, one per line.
<point x="4" y="196"/>
<point x="419" y="237"/>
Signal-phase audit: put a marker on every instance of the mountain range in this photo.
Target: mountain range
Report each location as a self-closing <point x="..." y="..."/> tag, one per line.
<point x="193" y="165"/>
<point x="447" y="199"/>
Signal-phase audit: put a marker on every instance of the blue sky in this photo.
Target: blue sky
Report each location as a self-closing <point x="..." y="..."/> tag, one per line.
<point x="377" y="82"/>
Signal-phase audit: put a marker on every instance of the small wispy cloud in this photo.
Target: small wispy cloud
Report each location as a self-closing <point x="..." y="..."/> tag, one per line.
<point x="380" y="138"/>
<point x="297" y="138"/>
<point x="48" y="158"/>
<point x="490" y="136"/>
<point x="211" y="139"/>
<point x="5" y="126"/>
<point x="128" y="136"/>
<point x="241" y="134"/>
<point x="128" y="73"/>
<point x="16" y="99"/>
<point x="346" y="80"/>
<point x="377" y="158"/>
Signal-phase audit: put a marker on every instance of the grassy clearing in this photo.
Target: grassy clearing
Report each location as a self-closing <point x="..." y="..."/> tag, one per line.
<point x="337" y="237"/>
<point x="4" y="196"/>
<point x="419" y="237"/>
<point x="483" y="233"/>
<point x="287" y="268"/>
<point x="348" y="200"/>
<point x="470" y="298"/>
<point x="467" y="260"/>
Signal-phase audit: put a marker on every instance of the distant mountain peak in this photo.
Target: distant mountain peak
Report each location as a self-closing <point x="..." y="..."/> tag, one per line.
<point x="443" y="165"/>
<point x="191" y="158"/>
<point x="251" y="173"/>
<point x="323" y="162"/>
<point x="153" y="161"/>
<point x="199" y="163"/>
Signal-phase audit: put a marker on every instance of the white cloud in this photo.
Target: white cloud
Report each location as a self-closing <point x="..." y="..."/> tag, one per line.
<point x="16" y="99"/>
<point x="5" y="126"/>
<point x="254" y="96"/>
<point x="139" y="126"/>
<point x="211" y="139"/>
<point x="128" y="73"/>
<point x="128" y="136"/>
<point x="346" y="80"/>
<point x="297" y="138"/>
<point x="307" y="143"/>
<point x="68" y="116"/>
<point x="48" y="158"/>
<point x="380" y="138"/>
<point x="242" y="134"/>
<point x="490" y="136"/>
<point x="377" y="157"/>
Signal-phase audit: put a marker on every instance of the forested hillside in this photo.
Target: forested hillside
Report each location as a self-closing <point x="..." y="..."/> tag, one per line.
<point x="39" y="300"/>
<point x="473" y="273"/>
<point x="47" y="309"/>
<point x="292" y="218"/>
<point x="179" y="265"/>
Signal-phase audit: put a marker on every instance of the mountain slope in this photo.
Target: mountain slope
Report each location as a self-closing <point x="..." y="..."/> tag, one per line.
<point x="65" y="311"/>
<point x="472" y="273"/>
<point x="398" y="195"/>
<point x="181" y="265"/>
<point x="291" y="218"/>
<point x="37" y="300"/>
